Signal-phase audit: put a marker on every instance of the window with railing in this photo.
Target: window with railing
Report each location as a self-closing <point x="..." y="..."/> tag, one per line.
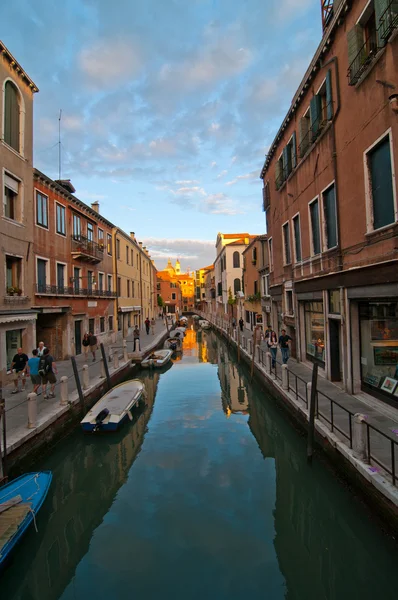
<point x="318" y="115"/>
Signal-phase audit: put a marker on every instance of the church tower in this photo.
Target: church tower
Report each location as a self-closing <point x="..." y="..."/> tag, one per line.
<point x="177" y="268"/>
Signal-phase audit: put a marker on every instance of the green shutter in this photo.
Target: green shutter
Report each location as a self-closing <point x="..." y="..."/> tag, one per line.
<point x="278" y="174"/>
<point x="356" y="52"/>
<point x="303" y="135"/>
<point x="329" y="96"/>
<point x="285" y="163"/>
<point x="386" y="13"/>
<point x="316" y="115"/>
<point x="294" y="151"/>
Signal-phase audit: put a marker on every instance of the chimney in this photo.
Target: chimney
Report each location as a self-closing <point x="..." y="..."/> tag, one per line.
<point x="95" y="206"/>
<point x="66" y="184"/>
<point x="132" y="235"/>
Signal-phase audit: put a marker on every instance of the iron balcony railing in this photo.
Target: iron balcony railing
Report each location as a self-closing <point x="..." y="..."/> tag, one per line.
<point x="81" y="244"/>
<point x="56" y="290"/>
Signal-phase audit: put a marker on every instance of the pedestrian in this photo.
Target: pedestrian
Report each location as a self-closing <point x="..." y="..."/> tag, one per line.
<point x="136" y="338"/>
<point x="86" y="343"/>
<point x="272" y="343"/>
<point x="284" y="341"/>
<point x="147" y="325"/>
<point x="92" y="340"/>
<point x="33" y="370"/>
<point x="233" y="323"/>
<point x="153" y="323"/>
<point x="40" y="349"/>
<point x="47" y="371"/>
<point x="241" y="324"/>
<point x="19" y="364"/>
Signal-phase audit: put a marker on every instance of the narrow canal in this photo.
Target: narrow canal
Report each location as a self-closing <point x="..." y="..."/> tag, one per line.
<point x="206" y="495"/>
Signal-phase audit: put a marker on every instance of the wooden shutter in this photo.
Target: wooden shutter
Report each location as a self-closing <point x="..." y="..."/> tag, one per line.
<point x="329" y="96"/>
<point x="11" y="116"/>
<point x="285" y="163"/>
<point x="294" y="150"/>
<point x="303" y="135"/>
<point x="355" y="43"/>
<point x="278" y="174"/>
<point x="316" y="115"/>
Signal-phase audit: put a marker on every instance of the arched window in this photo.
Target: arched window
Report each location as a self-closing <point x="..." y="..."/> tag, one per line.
<point x="236" y="260"/>
<point x="11" y="115"/>
<point x="237" y="286"/>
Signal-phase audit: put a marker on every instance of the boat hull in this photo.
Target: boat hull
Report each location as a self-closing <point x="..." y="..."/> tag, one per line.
<point x="157" y="363"/>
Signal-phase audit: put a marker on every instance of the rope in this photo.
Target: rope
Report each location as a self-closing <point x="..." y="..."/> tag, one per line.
<point x="20" y="486"/>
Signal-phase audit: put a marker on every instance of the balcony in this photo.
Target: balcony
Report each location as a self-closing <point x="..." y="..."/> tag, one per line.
<point x="16" y="299"/>
<point x="55" y="290"/>
<point x="86" y="250"/>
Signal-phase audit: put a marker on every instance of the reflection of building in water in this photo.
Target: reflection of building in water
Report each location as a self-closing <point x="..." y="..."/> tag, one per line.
<point x="189" y="344"/>
<point x="84" y="486"/>
<point x="234" y="393"/>
<point x="201" y="340"/>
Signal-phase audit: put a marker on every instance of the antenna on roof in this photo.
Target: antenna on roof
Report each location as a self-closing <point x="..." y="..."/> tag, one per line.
<point x="59" y="143"/>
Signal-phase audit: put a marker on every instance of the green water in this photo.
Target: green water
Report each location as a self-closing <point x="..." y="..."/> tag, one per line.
<point x="206" y="495"/>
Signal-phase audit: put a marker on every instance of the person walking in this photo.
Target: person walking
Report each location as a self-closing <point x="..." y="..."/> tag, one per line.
<point x="92" y="340"/>
<point x="86" y="343"/>
<point x="136" y="338"/>
<point x="19" y="363"/>
<point x="241" y="324"/>
<point x="40" y="349"/>
<point x="153" y="323"/>
<point x="233" y="323"/>
<point x="47" y="371"/>
<point x="33" y="370"/>
<point x="272" y="343"/>
<point x="284" y="341"/>
<point x="147" y="325"/>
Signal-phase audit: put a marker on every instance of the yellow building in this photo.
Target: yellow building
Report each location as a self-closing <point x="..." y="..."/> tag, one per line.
<point x="135" y="276"/>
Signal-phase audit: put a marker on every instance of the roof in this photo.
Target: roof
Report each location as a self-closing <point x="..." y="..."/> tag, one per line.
<point x="17" y="67"/>
<point x="228" y="236"/>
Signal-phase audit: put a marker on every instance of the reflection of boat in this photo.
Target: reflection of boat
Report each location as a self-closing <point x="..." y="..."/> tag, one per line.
<point x="20" y="501"/>
<point x="173" y="343"/>
<point x="157" y="359"/>
<point x="114" y="408"/>
<point x="204" y="324"/>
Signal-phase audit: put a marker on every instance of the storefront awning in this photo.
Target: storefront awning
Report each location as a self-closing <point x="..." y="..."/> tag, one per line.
<point x="26" y="318"/>
<point x="124" y="309"/>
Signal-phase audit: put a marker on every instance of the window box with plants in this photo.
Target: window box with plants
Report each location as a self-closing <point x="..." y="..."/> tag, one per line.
<point x="254" y="297"/>
<point x="14" y="291"/>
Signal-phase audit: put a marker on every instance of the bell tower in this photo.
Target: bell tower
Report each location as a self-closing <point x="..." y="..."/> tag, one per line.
<point x="177" y="268"/>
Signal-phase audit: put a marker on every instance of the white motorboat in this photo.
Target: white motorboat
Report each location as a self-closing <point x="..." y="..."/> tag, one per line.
<point x="157" y="359"/>
<point x="173" y="343"/>
<point x="114" y="408"/>
<point x="204" y="324"/>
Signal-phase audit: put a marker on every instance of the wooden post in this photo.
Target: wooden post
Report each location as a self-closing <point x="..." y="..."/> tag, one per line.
<point x="77" y="379"/>
<point x="105" y="365"/>
<point x="311" y="417"/>
<point x="254" y="344"/>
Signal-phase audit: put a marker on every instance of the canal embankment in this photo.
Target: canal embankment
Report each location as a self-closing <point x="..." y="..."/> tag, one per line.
<point x="360" y="440"/>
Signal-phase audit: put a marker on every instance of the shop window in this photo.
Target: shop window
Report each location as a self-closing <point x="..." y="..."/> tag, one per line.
<point x="12" y="114"/>
<point x="315" y="331"/>
<point x="41" y="210"/>
<point x="330" y="217"/>
<point x="110" y="321"/>
<point x="379" y="184"/>
<point x="297" y="238"/>
<point x="11" y="198"/>
<point x="315" y="229"/>
<point x="286" y="244"/>
<point x="14" y="275"/>
<point x="379" y="348"/>
<point x="60" y="219"/>
<point x="102" y="324"/>
<point x="13" y="342"/>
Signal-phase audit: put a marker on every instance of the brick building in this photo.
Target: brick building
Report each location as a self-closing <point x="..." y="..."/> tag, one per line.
<point x="329" y="192"/>
<point x="17" y="320"/>
<point x="74" y="287"/>
<point x="255" y="307"/>
<point x="170" y="292"/>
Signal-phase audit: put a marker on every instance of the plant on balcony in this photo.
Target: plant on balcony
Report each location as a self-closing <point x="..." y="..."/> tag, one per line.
<point x="14" y="291"/>
<point x="254" y="297"/>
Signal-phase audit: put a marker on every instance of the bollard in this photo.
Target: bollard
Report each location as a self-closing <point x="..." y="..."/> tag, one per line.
<point x="249" y="346"/>
<point x="103" y="373"/>
<point x="136" y="345"/>
<point x="285" y="377"/>
<point x="125" y="356"/>
<point x="32" y="410"/>
<point x="268" y="362"/>
<point x="85" y="377"/>
<point x="116" y="360"/>
<point x="64" y="390"/>
<point x="359" y="444"/>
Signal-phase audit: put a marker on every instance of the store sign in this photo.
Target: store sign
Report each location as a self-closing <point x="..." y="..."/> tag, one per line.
<point x="92" y="303"/>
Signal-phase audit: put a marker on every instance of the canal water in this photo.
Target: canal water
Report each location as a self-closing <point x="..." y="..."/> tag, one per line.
<point x="207" y="494"/>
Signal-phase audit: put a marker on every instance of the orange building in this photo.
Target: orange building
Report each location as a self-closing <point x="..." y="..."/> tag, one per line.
<point x="184" y="281"/>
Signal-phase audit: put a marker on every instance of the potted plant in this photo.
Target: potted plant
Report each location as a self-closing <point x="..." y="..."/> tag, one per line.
<point x="10" y="291"/>
<point x="18" y="291"/>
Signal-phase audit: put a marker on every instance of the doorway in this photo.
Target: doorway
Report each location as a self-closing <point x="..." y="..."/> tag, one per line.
<point x="335" y="351"/>
<point x="78" y="337"/>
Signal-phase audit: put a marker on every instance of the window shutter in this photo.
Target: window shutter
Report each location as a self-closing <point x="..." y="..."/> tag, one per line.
<point x="294" y="151"/>
<point x="329" y="96"/>
<point x="303" y="135"/>
<point x="316" y="115"/>
<point x="11" y="116"/>
<point x="285" y="163"/>
<point x="278" y="174"/>
<point x="355" y="42"/>
<point x="386" y="13"/>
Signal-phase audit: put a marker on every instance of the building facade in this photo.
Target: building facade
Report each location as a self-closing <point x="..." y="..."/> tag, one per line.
<point x="186" y="283"/>
<point x="255" y="284"/>
<point x="17" y="319"/>
<point x="73" y="287"/>
<point x="127" y="268"/>
<point x="169" y="291"/>
<point x="329" y="192"/>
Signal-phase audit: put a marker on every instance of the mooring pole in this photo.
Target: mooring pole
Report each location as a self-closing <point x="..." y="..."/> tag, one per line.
<point x="311" y="418"/>
<point x="108" y="379"/>
<point x="77" y="379"/>
<point x="3" y="459"/>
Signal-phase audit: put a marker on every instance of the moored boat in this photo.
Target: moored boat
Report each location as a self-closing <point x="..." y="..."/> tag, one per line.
<point x="157" y="359"/>
<point x="114" y="408"/>
<point x="204" y="324"/>
<point x="173" y="343"/>
<point x="20" y="501"/>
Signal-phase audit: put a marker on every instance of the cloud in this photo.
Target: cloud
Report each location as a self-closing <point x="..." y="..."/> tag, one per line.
<point x="192" y="253"/>
<point x="109" y="61"/>
<point x="219" y="204"/>
<point x="253" y="175"/>
<point x="222" y="174"/>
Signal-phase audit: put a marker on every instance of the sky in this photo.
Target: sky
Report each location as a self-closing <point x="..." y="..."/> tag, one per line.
<point x="168" y="107"/>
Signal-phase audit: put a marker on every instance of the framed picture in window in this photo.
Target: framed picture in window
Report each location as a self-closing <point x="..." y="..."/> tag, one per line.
<point x="371" y="379"/>
<point x="389" y="385"/>
<point x="385" y="355"/>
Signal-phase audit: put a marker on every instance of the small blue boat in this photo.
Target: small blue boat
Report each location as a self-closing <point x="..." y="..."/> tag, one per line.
<point x="20" y="501"/>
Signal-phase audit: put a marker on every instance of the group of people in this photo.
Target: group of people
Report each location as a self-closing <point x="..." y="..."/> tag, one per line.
<point x="40" y="367"/>
<point x="273" y="341"/>
<point x="89" y="343"/>
<point x="150" y="325"/>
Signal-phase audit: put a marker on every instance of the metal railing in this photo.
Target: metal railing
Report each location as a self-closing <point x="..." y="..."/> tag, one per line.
<point x="82" y="244"/>
<point x="388" y="21"/>
<point x="56" y="290"/>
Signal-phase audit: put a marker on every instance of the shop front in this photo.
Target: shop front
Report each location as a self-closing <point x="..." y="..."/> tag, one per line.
<point x="314" y="329"/>
<point x="16" y="331"/>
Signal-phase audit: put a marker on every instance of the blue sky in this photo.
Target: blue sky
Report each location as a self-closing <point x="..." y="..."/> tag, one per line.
<point x="168" y="106"/>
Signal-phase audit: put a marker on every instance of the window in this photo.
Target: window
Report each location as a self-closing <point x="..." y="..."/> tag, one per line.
<point x="255" y="287"/>
<point x="128" y="288"/>
<point x="330" y="217"/>
<point x="289" y="303"/>
<point x="254" y="256"/>
<point x="325" y="100"/>
<point x="14" y="275"/>
<point x="42" y="265"/>
<point x="279" y="172"/>
<point x="270" y="254"/>
<point x="289" y="157"/>
<point x="76" y="280"/>
<point x="109" y="283"/>
<point x="119" y="286"/>
<point x="219" y="288"/>
<point x="118" y="249"/>
<point x="236" y="260"/>
<point x="110" y="321"/>
<point x="102" y="324"/>
<point x="314" y="331"/>
<point x="304" y="132"/>
<point x="265" y="285"/>
<point x="77" y="228"/>
<point x="100" y="282"/>
<point x="315" y="230"/>
<point x="297" y="238"/>
<point x="11" y="191"/>
<point x="12" y="113"/>
<point x="41" y="210"/>
<point x="90" y="281"/>
<point x="91" y="325"/>
<point x="132" y="258"/>
<point x="286" y="244"/>
<point x="379" y="184"/>
<point x="237" y="285"/>
<point x="109" y="244"/>
<point x="100" y="238"/>
<point x="364" y="39"/>
<point x="266" y="196"/>
<point x="127" y="254"/>
<point x="133" y="289"/>
<point x="60" y="219"/>
<point x="61" y="269"/>
<point x="173" y="295"/>
<point x="138" y="261"/>
<point x="90" y="232"/>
